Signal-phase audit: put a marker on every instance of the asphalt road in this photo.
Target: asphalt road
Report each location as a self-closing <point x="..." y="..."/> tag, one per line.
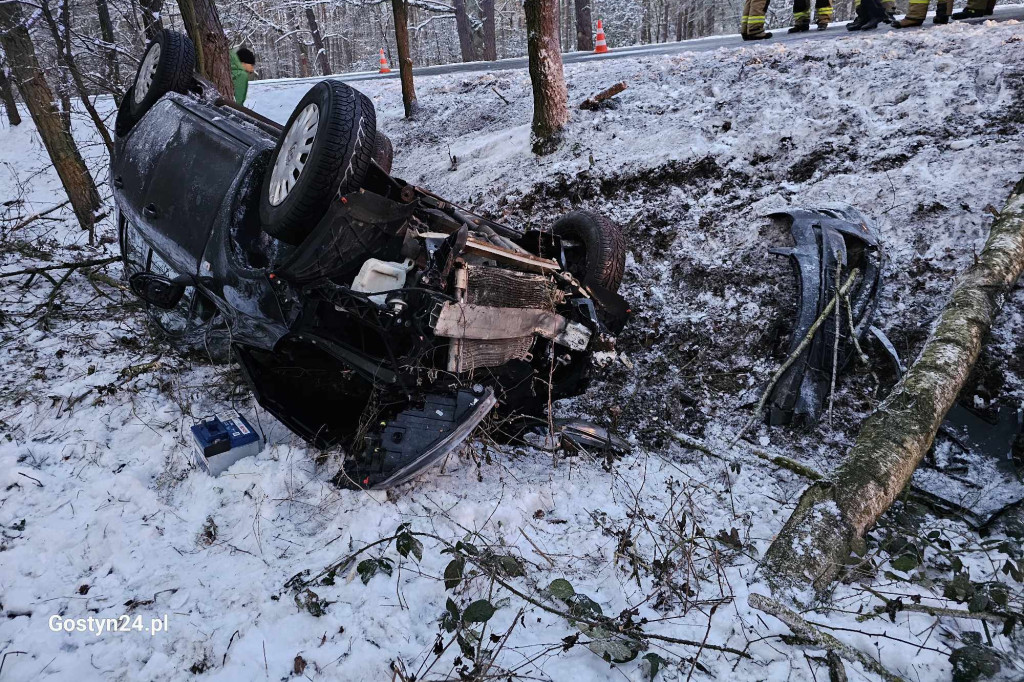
<point x="1002" y="13"/>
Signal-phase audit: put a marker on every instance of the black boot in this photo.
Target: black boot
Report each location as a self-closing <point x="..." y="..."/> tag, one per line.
<point x="763" y="35"/>
<point x="856" y="24"/>
<point x="968" y="13"/>
<point x="871" y="24"/>
<point x="941" y="19"/>
<point x="799" y="28"/>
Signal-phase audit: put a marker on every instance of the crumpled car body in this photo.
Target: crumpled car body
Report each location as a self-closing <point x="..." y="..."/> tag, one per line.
<point x="483" y="322"/>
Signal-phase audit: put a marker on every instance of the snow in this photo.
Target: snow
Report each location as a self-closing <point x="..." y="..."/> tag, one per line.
<point x="701" y="146"/>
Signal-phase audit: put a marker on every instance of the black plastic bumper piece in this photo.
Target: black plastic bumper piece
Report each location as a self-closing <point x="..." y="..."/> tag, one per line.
<point x="416" y="437"/>
<point x="830" y="243"/>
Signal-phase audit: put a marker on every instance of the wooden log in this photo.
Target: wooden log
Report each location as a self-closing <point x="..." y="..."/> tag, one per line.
<point x="592" y="103"/>
<point x="832" y="516"/>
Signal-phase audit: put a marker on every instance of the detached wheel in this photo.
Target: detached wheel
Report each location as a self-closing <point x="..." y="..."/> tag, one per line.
<point x="167" y="66"/>
<point x="383" y="152"/>
<point x="593" y="247"/>
<point x="324" y="151"/>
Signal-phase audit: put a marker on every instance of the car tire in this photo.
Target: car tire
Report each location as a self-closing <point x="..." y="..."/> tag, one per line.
<point x="383" y="152"/>
<point x="167" y="65"/>
<point x="297" y="191"/>
<point x="593" y="247"/>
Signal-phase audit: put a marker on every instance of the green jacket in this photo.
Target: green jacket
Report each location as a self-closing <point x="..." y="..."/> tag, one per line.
<point x="240" y="78"/>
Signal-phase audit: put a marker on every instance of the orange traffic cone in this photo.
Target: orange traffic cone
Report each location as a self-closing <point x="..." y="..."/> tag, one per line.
<point x="383" y="62"/>
<point x="601" y="46"/>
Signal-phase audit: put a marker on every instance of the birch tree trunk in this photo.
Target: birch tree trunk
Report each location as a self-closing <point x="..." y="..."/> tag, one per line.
<point x="490" y="43"/>
<point x="318" y="43"/>
<point x="401" y="12"/>
<point x="39" y="99"/>
<point x="584" y="26"/>
<point x="7" y="95"/>
<point x="550" y="96"/>
<point x="465" y="31"/>
<point x="202" y="23"/>
<point x="832" y="516"/>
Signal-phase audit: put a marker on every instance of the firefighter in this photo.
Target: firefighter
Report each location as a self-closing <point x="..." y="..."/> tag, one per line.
<point x="870" y="13"/>
<point x="975" y="9"/>
<point x="802" y="15"/>
<point x="918" y="10"/>
<point x="752" y="23"/>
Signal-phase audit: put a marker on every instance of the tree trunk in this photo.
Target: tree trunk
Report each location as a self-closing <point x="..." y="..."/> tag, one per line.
<point x="318" y="43"/>
<point x="7" y="94"/>
<point x="39" y="99"/>
<point x="401" y="12"/>
<point x="490" y="44"/>
<point x="66" y="58"/>
<point x="465" y="31"/>
<point x="202" y="23"/>
<point x="152" y="23"/>
<point x="550" y="97"/>
<point x="107" y="33"/>
<point x="679" y="24"/>
<point x="832" y="516"/>
<point x="584" y="26"/>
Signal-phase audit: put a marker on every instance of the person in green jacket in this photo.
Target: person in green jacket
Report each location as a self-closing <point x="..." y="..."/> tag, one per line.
<point x="243" y="63"/>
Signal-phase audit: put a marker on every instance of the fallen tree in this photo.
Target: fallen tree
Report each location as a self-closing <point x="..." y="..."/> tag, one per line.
<point x="832" y="515"/>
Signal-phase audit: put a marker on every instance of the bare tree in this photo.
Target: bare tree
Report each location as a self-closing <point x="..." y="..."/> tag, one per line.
<point x="550" y="96"/>
<point x="401" y="12"/>
<point x="64" y="154"/>
<point x="318" y="43"/>
<point x="202" y="22"/>
<point x="110" y="44"/>
<point x="465" y="31"/>
<point x="152" y="22"/>
<point x="584" y="22"/>
<point x="65" y="57"/>
<point x="490" y="42"/>
<point x="7" y="95"/>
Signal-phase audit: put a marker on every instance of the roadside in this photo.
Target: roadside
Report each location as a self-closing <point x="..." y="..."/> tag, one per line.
<point x="836" y="31"/>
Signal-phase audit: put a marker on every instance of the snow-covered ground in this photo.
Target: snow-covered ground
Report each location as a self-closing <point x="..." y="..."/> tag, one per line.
<point x="102" y="514"/>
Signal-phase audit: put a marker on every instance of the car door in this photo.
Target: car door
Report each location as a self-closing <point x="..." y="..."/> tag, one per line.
<point x="182" y="164"/>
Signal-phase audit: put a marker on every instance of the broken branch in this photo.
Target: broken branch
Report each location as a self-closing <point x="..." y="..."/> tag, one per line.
<point x="592" y="103"/>
<point x="843" y="290"/>
<point x="801" y="628"/>
<point x="36" y="216"/>
<point x="60" y="266"/>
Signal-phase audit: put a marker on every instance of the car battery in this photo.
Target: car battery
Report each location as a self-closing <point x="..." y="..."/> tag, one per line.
<point x="223" y="440"/>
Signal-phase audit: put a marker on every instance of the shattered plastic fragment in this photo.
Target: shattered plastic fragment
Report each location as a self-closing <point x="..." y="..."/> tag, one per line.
<point x="830" y="242"/>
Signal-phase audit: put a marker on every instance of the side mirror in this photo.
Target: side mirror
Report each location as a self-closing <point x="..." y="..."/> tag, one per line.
<point x="157" y="290"/>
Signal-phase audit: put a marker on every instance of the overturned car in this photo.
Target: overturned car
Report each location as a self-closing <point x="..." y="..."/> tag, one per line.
<point x="365" y="312"/>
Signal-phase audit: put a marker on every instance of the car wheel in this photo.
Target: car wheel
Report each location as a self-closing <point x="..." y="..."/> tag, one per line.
<point x="324" y="151"/>
<point x="593" y="247"/>
<point x="383" y="152"/>
<point x="167" y="66"/>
